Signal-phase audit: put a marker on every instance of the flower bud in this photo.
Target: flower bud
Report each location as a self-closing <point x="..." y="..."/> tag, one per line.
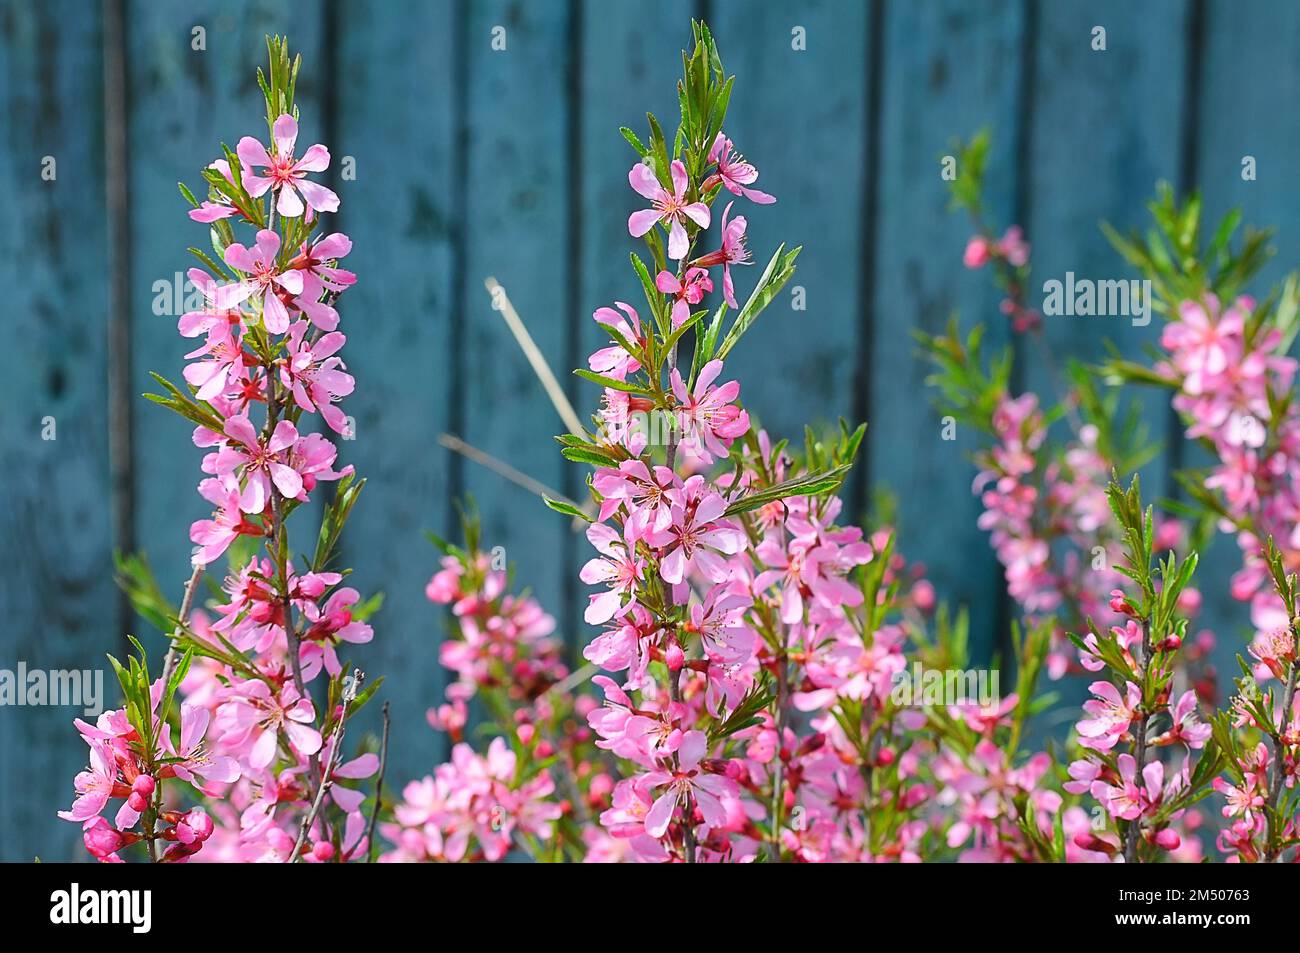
<point x="138" y="802"/>
<point x="674" y="657"/>
<point x="101" y="839"/>
<point x="1119" y="603"/>
<point x="143" y="785"/>
<point x="526" y="733"/>
<point x="323" y="850"/>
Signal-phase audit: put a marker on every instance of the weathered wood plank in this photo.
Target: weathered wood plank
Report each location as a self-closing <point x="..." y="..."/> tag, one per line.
<point x="1107" y="127"/>
<point x="797" y="110"/>
<point x="57" y="597"/>
<point x="400" y="212"/>
<point x="949" y="70"/>
<point x="516" y="226"/>
<point x="1247" y="108"/>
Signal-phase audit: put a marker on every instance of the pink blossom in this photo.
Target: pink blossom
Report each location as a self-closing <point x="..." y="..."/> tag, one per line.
<point x="253" y="718"/>
<point x="1110" y="715"/>
<point x="261" y="460"/>
<point x="734" y="172"/>
<point x="214" y="536"/>
<point x="687" y="782"/>
<point x="686" y="291"/>
<point x="94" y="785"/>
<point x="209" y="212"/>
<point x="669" y="208"/>
<point x="264" y="277"/>
<point x="706" y="414"/>
<point x="697" y="537"/>
<point x="284" y="174"/>
<point x="617" y="567"/>
<point x="613" y="361"/>
<point x="734" y="251"/>
<point x="315" y="375"/>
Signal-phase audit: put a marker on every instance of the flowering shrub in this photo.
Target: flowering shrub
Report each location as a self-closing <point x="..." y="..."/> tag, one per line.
<point x="235" y="751"/>
<point x="766" y="678"/>
<point x="1231" y="379"/>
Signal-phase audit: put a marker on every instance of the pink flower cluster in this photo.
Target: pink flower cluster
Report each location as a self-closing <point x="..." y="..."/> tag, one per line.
<point x="1047" y="518"/>
<point x="471" y="802"/>
<point x="251" y="739"/>
<point x="1230" y="381"/>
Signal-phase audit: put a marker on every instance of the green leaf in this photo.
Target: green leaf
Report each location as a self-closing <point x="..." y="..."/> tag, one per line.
<point x="813" y="484"/>
<point x="568" y="509"/>
<point x="778" y="272"/>
<point x="634" y="142"/>
<point x="611" y="382"/>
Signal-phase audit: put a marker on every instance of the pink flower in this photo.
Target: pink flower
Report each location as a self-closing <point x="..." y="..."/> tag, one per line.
<point x="697" y="536"/>
<point x="734" y="251"/>
<point x="707" y="415"/>
<point x="315" y="376"/>
<point x="669" y="208"/>
<point x="977" y="252"/>
<point x="645" y="492"/>
<point x="94" y="786"/>
<point x="734" y="172"/>
<point x="1110" y="714"/>
<point x="209" y="212"/>
<point x="686" y="292"/>
<point x="214" y="536"/>
<point x="1202" y="342"/>
<point x="687" y="782"/>
<point x="320" y="278"/>
<point x="613" y="361"/>
<point x="193" y="758"/>
<point x="1129" y="800"/>
<point x="1187" y="726"/>
<point x="720" y="621"/>
<point x="224" y="359"/>
<point x="1013" y="247"/>
<point x="260" y="460"/>
<point x="331" y="625"/>
<point x="284" y="174"/>
<point x="618" y="569"/>
<point x="253" y="718"/>
<point x="264" y="277"/>
<point x="1246" y="801"/>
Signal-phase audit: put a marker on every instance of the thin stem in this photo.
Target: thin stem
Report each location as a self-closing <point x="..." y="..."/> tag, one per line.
<point x="688" y="826"/>
<point x="336" y="746"/>
<point x="379" y="791"/>
<point x="778" y="767"/>
<point x="187" y="601"/>
<point x="1274" y="853"/>
<point x="1140" y="751"/>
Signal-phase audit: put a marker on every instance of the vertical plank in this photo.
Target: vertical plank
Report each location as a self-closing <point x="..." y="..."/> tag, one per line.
<point x="799" y="116"/>
<point x="57" y="596"/>
<point x="948" y="71"/>
<point x="400" y="214"/>
<point x="184" y="103"/>
<point x="1247" y="108"/>
<point x="517" y="210"/>
<point x="1107" y="126"/>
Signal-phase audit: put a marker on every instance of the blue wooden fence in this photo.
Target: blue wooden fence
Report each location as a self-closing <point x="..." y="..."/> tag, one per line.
<point x="471" y="161"/>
